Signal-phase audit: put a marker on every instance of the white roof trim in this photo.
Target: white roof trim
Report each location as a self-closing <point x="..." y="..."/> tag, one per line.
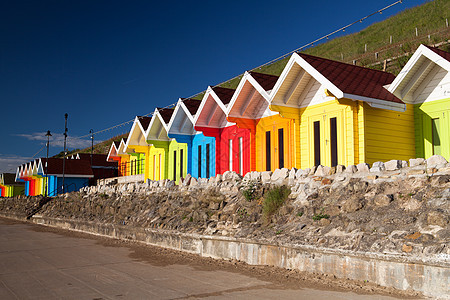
<point x="182" y="106"/>
<point x="247" y="77"/>
<point x="297" y="59"/>
<point x="219" y="102"/>
<point x="136" y="121"/>
<point x="421" y="51"/>
<point x="377" y="103"/>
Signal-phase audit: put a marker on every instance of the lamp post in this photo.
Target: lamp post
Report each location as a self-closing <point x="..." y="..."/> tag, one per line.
<point x="64" y="157"/>
<point x="48" y="135"/>
<point x="92" y="143"/>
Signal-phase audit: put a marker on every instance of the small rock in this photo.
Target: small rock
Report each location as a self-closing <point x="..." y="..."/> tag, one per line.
<point x="406" y="248"/>
<point x="265" y="176"/>
<point x="437" y="218"/>
<point x="363" y="167"/>
<point x="352" y="204"/>
<point x="255" y="175"/>
<point x="325" y="222"/>
<point x="404" y="164"/>
<point x="414" y="162"/>
<point x="280" y="174"/>
<point x="193" y="181"/>
<point x="413" y="236"/>
<point x="435" y="160"/>
<point x="340" y="169"/>
<point x="299" y="174"/>
<point x="326" y="181"/>
<point x="377" y="167"/>
<point x="322" y="171"/>
<point x="351" y="169"/>
<point x="383" y="200"/>
<point x="393" y="165"/>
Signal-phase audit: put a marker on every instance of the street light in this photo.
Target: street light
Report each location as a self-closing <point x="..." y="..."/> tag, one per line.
<point x="48" y="135"/>
<point x="92" y="143"/>
<point x="64" y="157"/>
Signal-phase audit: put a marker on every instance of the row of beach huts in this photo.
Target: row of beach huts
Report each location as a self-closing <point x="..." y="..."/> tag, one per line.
<point x="317" y="112"/>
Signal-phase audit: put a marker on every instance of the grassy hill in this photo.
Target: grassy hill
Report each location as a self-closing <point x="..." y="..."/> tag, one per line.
<point x="429" y="19"/>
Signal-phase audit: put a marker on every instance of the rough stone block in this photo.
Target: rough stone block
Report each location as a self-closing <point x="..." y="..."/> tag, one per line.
<point x="292" y="173"/>
<point x="193" y="181"/>
<point x="363" y="167"/>
<point x="404" y="164"/>
<point x="351" y="169"/>
<point x="170" y="183"/>
<point x="322" y="171"/>
<point x="266" y="176"/>
<point x="414" y="162"/>
<point x="378" y="167"/>
<point x="393" y="165"/>
<point x="435" y="160"/>
<point x="280" y="174"/>
<point x="299" y="173"/>
<point x="255" y="175"/>
<point x="340" y="169"/>
<point x="312" y="171"/>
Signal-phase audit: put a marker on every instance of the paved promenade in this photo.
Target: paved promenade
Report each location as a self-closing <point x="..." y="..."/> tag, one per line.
<point x="38" y="263"/>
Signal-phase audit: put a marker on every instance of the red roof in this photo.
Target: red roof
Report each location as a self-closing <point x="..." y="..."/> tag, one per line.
<point x="166" y="114"/>
<point x="9" y="179"/>
<point x="98" y="160"/>
<point x="440" y="52"/>
<point x="354" y="80"/>
<point x="266" y="81"/>
<point x="192" y="105"/>
<point x="224" y="94"/>
<point x="72" y="167"/>
<point x="145" y="121"/>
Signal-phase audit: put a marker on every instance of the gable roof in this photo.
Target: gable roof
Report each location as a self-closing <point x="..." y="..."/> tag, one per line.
<point x="98" y="160"/>
<point x="158" y="128"/>
<point x="224" y="94"/>
<point x="137" y="135"/>
<point x="113" y="150"/>
<point x="8" y="179"/>
<point x="192" y="105"/>
<point x="354" y="80"/>
<point x="439" y="52"/>
<point x="145" y="121"/>
<point x="251" y="99"/>
<point x="343" y="80"/>
<point x="426" y="62"/>
<point x="266" y="81"/>
<point x="213" y="108"/>
<point x="182" y="121"/>
<point x="73" y="167"/>
<point x="166" y="114"/>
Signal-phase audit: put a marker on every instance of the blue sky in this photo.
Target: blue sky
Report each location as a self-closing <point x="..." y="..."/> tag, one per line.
<point x="104" y="62"/>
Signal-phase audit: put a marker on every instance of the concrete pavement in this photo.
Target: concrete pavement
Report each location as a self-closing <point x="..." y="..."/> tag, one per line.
<point x="44" y="265"/>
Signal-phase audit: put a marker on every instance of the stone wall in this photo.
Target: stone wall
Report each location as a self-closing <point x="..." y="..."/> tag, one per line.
<point x="395" y="211"/>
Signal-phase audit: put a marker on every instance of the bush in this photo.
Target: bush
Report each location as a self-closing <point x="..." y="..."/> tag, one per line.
<point x="274" y="199"/>
<point x="251" y="190"/>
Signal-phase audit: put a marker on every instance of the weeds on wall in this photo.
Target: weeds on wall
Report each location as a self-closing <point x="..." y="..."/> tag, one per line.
<point x="274" y="199"/>
<point x="251" y="190"/>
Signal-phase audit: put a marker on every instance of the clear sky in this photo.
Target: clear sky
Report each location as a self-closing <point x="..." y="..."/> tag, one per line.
<point x="104" y="62"/>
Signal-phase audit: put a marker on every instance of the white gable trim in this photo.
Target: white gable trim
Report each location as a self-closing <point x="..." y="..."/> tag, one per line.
<point x="421" y="51"/>
<point x="181" y="106"/>
<point x="247" y="78"/>
<point x="219" y="103"/>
